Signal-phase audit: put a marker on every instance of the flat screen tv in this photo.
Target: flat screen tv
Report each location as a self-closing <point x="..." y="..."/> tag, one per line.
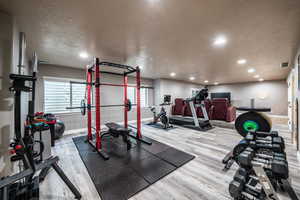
<point x="215" y="95"/>
<point x="167" y="99"/>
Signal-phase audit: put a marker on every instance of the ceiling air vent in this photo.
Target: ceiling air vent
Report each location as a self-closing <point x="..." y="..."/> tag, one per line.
<point x="284" y="65"/>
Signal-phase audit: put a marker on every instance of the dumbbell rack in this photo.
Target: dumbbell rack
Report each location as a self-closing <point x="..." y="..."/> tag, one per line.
<point x="265" y="183"/>
<point x="261" y="157"/>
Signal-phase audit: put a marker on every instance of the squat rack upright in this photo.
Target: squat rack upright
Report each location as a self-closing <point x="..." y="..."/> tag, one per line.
<point x="95" y="69"/>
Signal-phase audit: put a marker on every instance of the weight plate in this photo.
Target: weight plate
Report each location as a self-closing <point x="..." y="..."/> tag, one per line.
<point x="128" y="105"/>
<point x="250" y="125"/>
<point x="252" y="121"/>
<point x="83" y="107"/>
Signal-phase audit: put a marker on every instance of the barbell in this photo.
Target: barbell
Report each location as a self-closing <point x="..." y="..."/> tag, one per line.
<point x="83" y="106"/>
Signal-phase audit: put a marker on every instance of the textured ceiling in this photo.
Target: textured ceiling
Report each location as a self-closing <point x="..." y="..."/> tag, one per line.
<point x="163" y="36"/>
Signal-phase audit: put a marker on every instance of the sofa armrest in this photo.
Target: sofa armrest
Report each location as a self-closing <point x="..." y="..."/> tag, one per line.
<point x="184" y="107"/>
<point x="211" y="112"/>
<point x="231" y="114"/>
<point x="172" y="109"/>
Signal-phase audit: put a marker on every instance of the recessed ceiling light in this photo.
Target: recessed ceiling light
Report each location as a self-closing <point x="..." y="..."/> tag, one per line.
<point x="206" y="81"/>
<point x="256" y="76"/>
<point x="251" y="70"/>
<point x="192" y="78"/>
<point x="261" y="79"/>
<point x="173" y="74"/>
<point x="242" y="61"/>
<point x="153" y="1"/>
<point x="84" y="55"/>
<point x="216" y="83"/>
<point x="219" y="41"/>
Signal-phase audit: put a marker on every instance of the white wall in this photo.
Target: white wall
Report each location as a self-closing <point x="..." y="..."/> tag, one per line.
<point x="266" y="94"/>
<point x="109" y="95"/>
<point x="177" y="89"/>
<point x="295" y="64"/>
<point x="6" y="107"/>
<point x="9" y="46"/>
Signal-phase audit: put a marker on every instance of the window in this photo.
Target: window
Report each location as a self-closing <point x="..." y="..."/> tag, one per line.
<point x="57" y="95"/>
<point x="131" y="94"/>
<point x="78" y="93"/>
<point x="144" y="97"/>
<point x="60" y="94"/>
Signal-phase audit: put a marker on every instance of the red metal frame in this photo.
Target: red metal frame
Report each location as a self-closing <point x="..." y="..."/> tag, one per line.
<point x="125" y="101"/>
<point x="138" y="99"/>
<point x="95" y="68"/>
<point x="89" y="111"/>
<point x="98" y="103"/>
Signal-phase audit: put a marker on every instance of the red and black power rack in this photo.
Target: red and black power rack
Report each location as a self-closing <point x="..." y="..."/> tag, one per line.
<point x="93" y="77"/>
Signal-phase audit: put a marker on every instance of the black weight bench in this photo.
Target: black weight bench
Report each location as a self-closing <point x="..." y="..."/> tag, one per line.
<point x="117" y="130"/>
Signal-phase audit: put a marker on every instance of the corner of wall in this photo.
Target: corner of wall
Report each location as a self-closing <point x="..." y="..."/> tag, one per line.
<point x="6" y="108"/>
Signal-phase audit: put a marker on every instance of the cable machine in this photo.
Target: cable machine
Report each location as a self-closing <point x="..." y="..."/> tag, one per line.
<point x="25" y="184"/>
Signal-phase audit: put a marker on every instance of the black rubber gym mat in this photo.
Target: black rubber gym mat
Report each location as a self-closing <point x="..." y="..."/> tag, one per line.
<point x="174" y="156"/>
<point x="128" y="172"/>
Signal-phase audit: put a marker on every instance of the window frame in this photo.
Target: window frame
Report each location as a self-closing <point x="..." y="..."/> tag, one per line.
<point x="135" y="96"/>
<point x="59" y="79"/>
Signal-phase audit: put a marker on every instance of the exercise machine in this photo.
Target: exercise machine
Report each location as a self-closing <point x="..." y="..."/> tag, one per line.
<point x="93" y="71"/>
<point x="162" y="116"/>
<point x="194" y="122"/>
<point x="24" y="185"/>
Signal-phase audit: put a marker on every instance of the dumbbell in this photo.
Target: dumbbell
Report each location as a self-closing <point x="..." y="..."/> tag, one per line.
<point x="264" y="134"/>
<point x="279" y="168"/>
<point x="240" y="186"/>
<point x="237" y="185"/>
<point x="248" y="196"/>
<point x="274" y="147"/>
<point x="272" y="140"/>
<point x="272" y="136"/>
<point x="251" y="136"/>
<point x="277" y="156"/>
<point x="245" y="158"/>
<point x="270" y="153"/>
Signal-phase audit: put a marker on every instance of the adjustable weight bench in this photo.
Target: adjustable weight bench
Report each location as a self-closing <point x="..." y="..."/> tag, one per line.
<point x="117" y="130"/>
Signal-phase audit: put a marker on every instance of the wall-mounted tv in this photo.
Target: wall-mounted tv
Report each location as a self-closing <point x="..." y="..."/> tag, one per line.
<point x="167" y="98"/>
<point x="215" y="95"/>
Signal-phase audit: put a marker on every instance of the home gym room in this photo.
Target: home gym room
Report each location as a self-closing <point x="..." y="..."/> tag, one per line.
<point x="149" y="99"/>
